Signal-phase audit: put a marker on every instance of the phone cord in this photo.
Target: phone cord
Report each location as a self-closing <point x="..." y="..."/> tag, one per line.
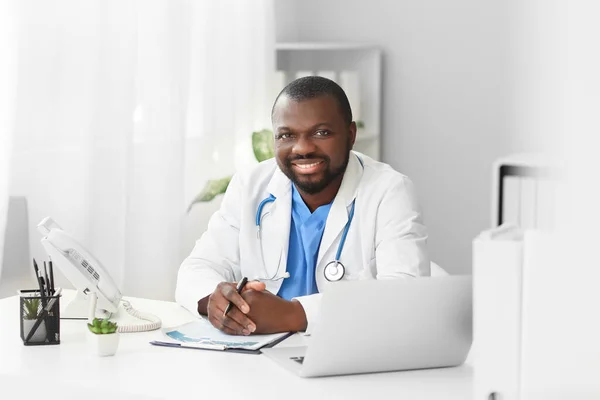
<point x="155" y="322"/>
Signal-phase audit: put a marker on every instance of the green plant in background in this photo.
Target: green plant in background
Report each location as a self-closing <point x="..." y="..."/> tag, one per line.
<point x="101" y="326"/>
<point x="263" y="147"/>
<point x="30" y="308"/>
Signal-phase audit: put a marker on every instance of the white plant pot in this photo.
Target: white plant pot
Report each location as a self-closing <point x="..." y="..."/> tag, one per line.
<point x="40" y="334"/>
<point x="105" y="345"/>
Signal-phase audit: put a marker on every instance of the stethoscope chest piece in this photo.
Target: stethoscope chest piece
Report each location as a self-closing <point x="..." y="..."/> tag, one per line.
<point x="334" y="271"/>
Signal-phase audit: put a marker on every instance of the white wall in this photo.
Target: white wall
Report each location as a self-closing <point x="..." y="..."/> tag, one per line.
<point x="447" y="93"/>
<point x="559" y="89"/>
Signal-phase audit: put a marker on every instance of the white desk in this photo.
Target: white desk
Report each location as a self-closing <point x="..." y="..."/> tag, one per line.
<point x="142" y="371"/>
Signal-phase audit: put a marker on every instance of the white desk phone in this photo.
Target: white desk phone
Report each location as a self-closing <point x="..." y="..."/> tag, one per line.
<point x="96" y="290"/>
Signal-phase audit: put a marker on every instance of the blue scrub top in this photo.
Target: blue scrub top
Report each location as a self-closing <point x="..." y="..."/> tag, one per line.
<point x="306" y="231"/>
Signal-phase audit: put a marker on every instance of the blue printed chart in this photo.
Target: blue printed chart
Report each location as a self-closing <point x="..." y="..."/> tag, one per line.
<point x="203" y="333"/>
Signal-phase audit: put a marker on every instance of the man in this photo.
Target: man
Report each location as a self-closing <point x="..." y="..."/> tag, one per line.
<point x="284" y="223"/>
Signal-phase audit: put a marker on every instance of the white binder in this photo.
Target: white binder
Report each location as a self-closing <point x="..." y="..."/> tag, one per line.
<point x="560" y="355"/>
<point x="497" y="294"/>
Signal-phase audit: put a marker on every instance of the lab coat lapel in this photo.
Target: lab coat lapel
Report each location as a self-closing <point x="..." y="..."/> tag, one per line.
<point x="340" y="209"/>
<point x="276" y="225"/>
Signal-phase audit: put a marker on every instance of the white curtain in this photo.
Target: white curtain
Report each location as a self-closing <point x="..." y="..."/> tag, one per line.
<point x="8" y="79"/>
<point x="124" y="109"/>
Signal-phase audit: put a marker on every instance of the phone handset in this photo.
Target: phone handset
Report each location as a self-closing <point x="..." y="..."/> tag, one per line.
<point x="95" y="287"/>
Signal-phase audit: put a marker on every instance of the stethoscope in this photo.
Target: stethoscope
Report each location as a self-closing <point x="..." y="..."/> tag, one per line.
<point x="259" y="217"/>
<point x="334" y="270"/>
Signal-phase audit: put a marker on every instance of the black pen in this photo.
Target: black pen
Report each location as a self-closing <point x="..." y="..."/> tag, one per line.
<point x="46" y="281"/>
<point x="51" y="277"/>
<point x="39" y="280"/>
<point x="37" y="272"/>
<point x="240" y="287"/>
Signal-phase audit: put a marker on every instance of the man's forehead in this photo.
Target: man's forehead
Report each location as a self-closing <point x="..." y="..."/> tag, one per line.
<point x="323" y="108"/>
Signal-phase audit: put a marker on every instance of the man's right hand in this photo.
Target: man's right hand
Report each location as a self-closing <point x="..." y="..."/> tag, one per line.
<point x="235" y="322"/>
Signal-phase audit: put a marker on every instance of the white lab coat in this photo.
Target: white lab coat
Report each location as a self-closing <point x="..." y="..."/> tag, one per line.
<point x="386" y="239"/>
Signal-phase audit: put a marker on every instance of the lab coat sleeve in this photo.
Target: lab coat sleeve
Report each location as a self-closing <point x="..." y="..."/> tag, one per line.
<point x="215" y="257"/>
<point x="311" y="305"/>
<point x="400" y="236"/>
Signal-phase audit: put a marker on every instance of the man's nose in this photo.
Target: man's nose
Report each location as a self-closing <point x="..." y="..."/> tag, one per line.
<point x="304" y="145"/>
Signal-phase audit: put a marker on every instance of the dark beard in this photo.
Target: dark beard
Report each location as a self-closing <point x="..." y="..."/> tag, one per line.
<point x="314" y="187"/>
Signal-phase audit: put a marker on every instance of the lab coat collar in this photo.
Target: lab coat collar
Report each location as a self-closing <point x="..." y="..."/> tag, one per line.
<point x="279" y="185"/>
<point x="338" y="215"/>
<point x="354" y="171"/>
<point x="278" y="220"/>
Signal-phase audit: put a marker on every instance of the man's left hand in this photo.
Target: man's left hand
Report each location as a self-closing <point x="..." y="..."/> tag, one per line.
<point x="272" y="314"/>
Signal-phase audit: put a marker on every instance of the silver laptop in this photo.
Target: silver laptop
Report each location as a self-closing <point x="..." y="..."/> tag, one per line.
<point x="386" y="325"/>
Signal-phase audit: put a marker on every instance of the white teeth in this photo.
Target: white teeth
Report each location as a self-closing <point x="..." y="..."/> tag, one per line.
<point x="307" y="166"/>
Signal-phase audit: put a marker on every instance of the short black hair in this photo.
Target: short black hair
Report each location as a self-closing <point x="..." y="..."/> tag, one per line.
<point x="310" y="87"/>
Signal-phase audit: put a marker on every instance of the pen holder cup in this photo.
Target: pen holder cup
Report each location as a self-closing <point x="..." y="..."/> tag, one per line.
<point x="45" y="325"/>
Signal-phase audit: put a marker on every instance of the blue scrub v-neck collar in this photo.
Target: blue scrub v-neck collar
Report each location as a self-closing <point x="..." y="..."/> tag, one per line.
<point x="302" y="210"/>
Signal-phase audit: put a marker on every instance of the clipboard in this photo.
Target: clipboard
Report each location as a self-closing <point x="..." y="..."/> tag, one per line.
<point x="201" y="335"/>
<point x="220" y="347"/>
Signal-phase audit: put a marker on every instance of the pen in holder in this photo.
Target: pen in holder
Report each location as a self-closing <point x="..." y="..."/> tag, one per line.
<point x="40" y="317"/>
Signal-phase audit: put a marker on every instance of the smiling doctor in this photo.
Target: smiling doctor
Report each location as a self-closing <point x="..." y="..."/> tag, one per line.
<point x="316" y="214"/>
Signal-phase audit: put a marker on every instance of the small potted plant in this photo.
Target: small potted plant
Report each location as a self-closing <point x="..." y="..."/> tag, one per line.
<point x="31" y="309"/>
<point x="105" y="337"/>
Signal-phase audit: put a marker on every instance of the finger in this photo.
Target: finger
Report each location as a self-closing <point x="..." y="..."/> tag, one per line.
<point x="255" y="285"/>
<point x="242" y="319"/>
<point x="234" y="327"/>
<point x="229" y="324"/>
<point x="217" y="300"/>
<point x="217" y="323"/>
<point x="231" y="294"/>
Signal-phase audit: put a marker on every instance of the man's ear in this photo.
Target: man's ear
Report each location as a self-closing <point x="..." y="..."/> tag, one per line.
<point x="352" y="132"/>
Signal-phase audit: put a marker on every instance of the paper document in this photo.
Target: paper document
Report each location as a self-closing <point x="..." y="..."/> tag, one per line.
<point x="202" y="334"/>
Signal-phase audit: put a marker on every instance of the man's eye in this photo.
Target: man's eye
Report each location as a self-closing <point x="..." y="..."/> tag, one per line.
<point x="322" y="133"/>
<point x="283" y="136"/>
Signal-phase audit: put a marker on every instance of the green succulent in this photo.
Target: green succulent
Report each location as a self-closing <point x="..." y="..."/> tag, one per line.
<point x="263" y="147"/>
<point x="101" y="326"/>
<point x="31" y="308"/>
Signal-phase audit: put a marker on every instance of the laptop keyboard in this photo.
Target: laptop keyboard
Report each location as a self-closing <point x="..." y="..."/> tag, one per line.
<point x="299" y="360"/>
